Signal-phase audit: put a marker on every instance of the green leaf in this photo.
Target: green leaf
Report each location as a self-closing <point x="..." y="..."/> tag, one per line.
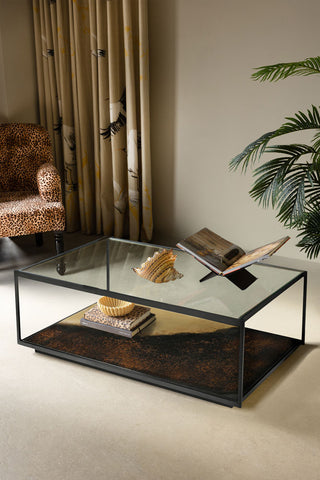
<point x="286" y="183"/>
<point x="316" y="147"/>
<point x="292" y="198"/>
<point x="267" y="186"/>
<point x="280" y="71"/>
<point x="300" y="122"/>
<point x="310" y="233"/>
<point x="292" y="150"/>
<point x="251" y="152"/>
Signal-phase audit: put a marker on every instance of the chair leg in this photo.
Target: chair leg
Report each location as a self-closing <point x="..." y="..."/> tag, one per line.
<point x="61" y="266"/>
<point x="58" y="236"/>
<point x="39" y="239"/>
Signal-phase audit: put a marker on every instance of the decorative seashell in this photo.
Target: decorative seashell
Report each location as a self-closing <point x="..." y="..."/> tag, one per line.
<point x="159" y="268"/>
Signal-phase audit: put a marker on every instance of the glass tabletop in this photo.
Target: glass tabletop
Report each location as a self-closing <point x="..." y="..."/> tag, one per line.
<point x="106" y="267"/>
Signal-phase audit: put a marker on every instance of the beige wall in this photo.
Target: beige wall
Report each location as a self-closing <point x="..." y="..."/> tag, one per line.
<point x="3" y="96"/>
<point x="205" y="108"/>
<point x="18" y="100"/>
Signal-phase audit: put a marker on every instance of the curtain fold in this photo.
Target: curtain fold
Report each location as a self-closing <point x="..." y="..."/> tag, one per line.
<point x="93" y="84"/>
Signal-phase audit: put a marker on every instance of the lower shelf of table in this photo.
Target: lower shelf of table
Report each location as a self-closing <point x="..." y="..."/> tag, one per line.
<point x="205" y="365"/>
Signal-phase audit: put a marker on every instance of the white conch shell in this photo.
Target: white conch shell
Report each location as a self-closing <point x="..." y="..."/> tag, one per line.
<point x="159" y="268"/>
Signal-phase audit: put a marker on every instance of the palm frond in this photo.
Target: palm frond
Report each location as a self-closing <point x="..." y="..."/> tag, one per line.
<point x="280" y="71"/>
<point x="316" y="142"/>
<point x="253" y="151"/>
<point x="301" y="121"/>
<point x="310" y="233"/>
<point x="266" y="187"/>
<point x="299" y="190"/>
<point x="291" y="199"/>
<point x="316" y="147"/>
<point x="293" y="150"/>
<point x="286" y="182"/>
<point x="312" y="187"/>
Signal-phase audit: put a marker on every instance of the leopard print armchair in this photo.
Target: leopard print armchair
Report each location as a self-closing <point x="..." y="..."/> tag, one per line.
<point x="30" y="187"/>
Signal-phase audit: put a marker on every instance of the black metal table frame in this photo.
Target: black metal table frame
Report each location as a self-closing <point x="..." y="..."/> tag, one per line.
<point x="239" y="322"/>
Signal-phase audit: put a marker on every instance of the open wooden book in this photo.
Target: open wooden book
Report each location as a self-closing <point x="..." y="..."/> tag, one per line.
<point x="222" y="256"/>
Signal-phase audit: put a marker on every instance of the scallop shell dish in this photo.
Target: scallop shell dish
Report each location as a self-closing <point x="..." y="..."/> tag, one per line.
<point x="159" y="268"/>
<point x="113" y="307"/>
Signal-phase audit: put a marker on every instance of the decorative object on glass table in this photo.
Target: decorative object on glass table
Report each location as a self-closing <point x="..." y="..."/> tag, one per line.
<point x="127" y="325"/>
<point x="114" y="307"/>
<point x="159" y="268"/>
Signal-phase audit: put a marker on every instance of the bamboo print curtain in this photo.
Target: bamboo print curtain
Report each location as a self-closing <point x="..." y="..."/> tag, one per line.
<point x="93" y="81"/>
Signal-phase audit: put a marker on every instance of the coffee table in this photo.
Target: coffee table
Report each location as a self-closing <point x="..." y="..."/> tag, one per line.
<point x="210" y="339"/>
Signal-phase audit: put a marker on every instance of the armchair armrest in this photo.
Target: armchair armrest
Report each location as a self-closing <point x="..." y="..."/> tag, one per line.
<point x="49" y="183"/>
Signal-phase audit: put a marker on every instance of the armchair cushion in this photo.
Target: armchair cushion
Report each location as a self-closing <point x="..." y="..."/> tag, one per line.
<point x="23" y="213"/>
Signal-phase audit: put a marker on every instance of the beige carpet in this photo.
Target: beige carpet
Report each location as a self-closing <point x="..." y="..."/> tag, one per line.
<point x="59" y="420"/>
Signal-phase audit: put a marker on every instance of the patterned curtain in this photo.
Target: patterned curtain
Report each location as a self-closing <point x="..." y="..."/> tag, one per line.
<point x="93" y="83"/>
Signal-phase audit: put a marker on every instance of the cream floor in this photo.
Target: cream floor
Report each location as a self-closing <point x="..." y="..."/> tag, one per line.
<point x="60" y="420"/>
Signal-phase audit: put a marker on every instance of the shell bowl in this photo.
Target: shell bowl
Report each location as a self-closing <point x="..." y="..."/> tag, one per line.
<point x="114" y="307"/>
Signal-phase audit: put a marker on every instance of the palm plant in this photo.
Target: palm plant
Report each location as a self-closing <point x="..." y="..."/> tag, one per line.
<point x="289" y="182"/>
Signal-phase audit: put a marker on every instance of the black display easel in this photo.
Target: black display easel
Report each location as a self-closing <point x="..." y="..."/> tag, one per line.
<point x="241" y="278"/>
